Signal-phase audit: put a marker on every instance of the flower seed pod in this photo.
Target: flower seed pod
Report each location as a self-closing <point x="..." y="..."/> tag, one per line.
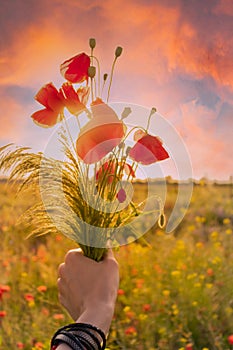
<point x="118" y="51"/>
<point x="91" y="71"/>
<point x="92" y="43"/>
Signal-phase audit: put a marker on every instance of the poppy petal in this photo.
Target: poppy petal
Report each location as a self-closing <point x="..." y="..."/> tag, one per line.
<point x="107" y="170"/>
<point x="46" y="118"/>
<point x="75" y="69"/>
<point x="49" y="97"/>
<point x="148" y="150"/>
<point x="71" y="99"/>
<point x="100" y="135"/>
<point x="129" y="170"/>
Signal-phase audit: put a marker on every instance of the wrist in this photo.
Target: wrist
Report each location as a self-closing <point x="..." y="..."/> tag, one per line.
<point x="98" y="315"/>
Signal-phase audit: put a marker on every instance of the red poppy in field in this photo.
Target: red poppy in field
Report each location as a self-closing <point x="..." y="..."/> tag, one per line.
<point x="148" y="149"/>
<point x="71" y="99"/>
<point x="75" y="69"/>
<point x="121" y="292"/>
<point x="100" y="135"/>
<point x="29" y="297"/>
<point x="3" y="289"/>
<point x="52" y="99"/>
<point x="3" y="314"/>
<point x="230" y="339"/>
<point x="20" y="345"/>
<point x="131" y="330"/>
<point x="42" y="289"/>
<point x="38" y="345"/>
<point x="58" y="317"/>
<point x="146" y="307"/>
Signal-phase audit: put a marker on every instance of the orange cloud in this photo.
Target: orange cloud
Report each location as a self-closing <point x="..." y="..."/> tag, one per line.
<point x="13" y="121"/>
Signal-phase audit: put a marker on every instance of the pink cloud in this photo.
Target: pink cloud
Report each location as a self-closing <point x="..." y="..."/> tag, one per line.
<point x="209" y="152"/>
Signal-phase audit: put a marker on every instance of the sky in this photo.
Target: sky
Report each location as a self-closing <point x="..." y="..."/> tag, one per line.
<point x="177" y="56"/>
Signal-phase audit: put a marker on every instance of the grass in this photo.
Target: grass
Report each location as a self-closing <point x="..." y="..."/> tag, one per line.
<point x="176" y="293"/>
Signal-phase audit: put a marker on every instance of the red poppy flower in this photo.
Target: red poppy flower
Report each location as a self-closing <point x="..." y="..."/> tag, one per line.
<point x="121" y="292"/>
<point x="109" y="169"/>
<point x="75" y="69"/>
<point x="71" y="99"/>
<point x="100" y="135"/>
<point x="146" y="307"/>
<point x="230" y="339"/>
<point x="52" y="99"/>
<point x="131" y="330"/>
<point x="147" y="150"/>
<point x="42" y="289"/>
<point x="29" y="297"/>
<point x="189" y="346"/>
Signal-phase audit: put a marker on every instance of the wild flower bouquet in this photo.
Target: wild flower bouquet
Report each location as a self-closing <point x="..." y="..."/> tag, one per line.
<point x="87" y="195"/>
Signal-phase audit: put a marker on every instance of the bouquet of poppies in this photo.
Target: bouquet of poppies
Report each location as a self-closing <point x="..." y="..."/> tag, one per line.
<point x="87" y="194"/>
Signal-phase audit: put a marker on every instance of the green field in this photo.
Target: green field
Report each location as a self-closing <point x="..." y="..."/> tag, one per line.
<point x="175" y="293"/>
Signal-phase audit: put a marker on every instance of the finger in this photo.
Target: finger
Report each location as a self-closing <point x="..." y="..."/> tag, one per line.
<point x="110" y="254"/>
<point x="73" y="254"/>
<point x="61" y="270"/>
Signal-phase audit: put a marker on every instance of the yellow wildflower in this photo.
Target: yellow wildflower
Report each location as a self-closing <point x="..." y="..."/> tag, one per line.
<point x="175" y="273"/>
<point x="166" y="292"/>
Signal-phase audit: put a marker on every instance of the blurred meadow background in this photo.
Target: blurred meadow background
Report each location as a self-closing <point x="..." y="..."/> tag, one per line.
<point x="176" y="291"/>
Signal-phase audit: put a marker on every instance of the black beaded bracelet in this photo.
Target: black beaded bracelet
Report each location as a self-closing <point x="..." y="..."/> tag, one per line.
<point x="79" y="336"/>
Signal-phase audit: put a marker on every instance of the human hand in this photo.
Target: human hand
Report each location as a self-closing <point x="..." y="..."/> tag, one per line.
<point x="88" y="289"/>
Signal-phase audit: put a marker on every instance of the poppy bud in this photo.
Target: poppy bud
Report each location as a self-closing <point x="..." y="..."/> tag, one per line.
<point x="121" y="145"/>
<point x="153" y="110"/>
<point x="128" y="149"/>
<point x="92" y="43"/>
<point x="105" y="76"/>
<point x="118" y="51"/>
<point x="126" y="112"/>
<point x="91" y="71"/>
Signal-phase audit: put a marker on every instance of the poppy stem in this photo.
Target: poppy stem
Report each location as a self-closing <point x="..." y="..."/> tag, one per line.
<point x="153" y="110"/>
<point x="135" y="127"/>
<point x="98" y="67"/>
<point x="92" y="94"/>
<point x="111" y="76"/>
<point x="103" y="85"/>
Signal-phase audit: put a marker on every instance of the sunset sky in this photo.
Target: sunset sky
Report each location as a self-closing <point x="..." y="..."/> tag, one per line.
<point x="177" y="56"/>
